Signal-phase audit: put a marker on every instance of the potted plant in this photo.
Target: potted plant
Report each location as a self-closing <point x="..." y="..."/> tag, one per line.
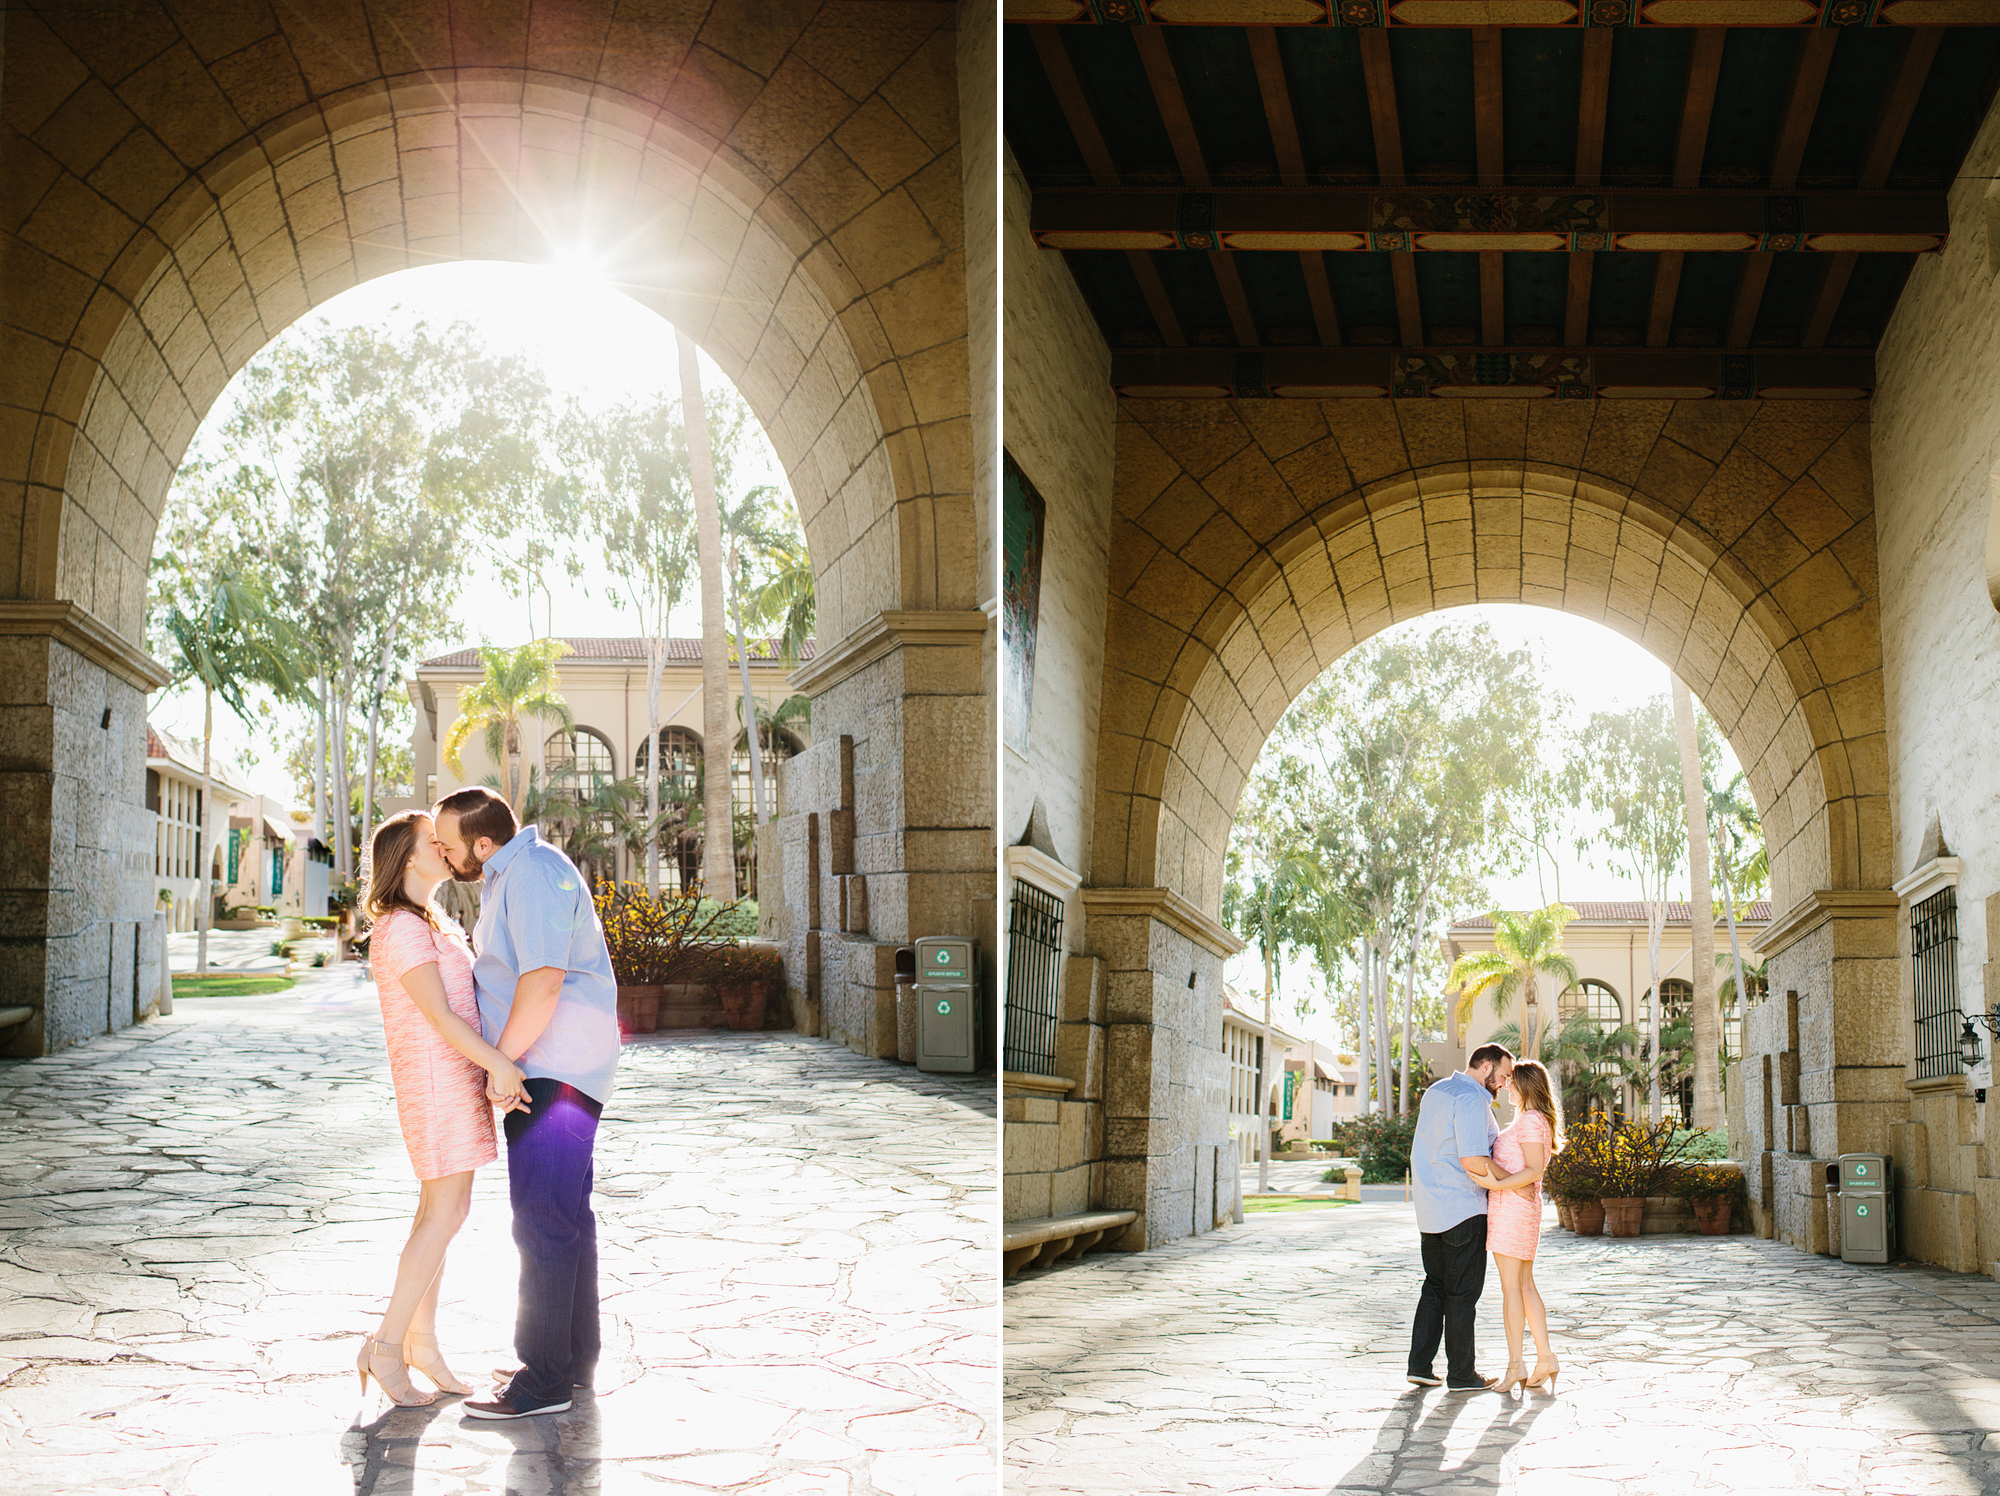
<point x="744" y="976"/>
<point x="1712" y="1190"/>
<point x="1575" y="1176"/>
<point x="1644" y="1156"/>
<point x="652" y="940"/>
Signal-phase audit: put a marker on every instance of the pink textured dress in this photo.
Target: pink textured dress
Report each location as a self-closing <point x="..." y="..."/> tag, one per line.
<point x="440" y="1094"/>
<point x="1514" y="1217"/>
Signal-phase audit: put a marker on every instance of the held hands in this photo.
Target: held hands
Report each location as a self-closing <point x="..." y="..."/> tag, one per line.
<point x="507" y="1087"/>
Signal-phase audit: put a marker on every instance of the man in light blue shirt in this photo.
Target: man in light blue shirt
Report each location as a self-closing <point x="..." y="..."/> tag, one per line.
<point x="1451" y="1153"/>
<point x="549" y="1002"/>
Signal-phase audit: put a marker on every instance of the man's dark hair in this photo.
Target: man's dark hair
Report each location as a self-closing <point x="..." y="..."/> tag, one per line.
<point x="481" y="812"/>
<point x="1478" y="1057"/>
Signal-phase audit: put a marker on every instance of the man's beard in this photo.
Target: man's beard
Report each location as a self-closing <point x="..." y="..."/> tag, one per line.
<point x="478" y="867"/>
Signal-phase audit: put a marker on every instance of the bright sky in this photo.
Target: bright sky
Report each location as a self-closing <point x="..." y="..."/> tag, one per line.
<point x="591" y="342"/>
<point x="1600" y="671"/>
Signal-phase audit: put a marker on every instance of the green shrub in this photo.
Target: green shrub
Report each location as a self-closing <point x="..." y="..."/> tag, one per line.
<point x="1702" y="1142"/>
<point x="1384" y="1143"/>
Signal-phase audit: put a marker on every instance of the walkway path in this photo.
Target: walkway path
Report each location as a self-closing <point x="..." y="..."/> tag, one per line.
<point x="200" y="1216"/>
<point x="1269" y="1357"/>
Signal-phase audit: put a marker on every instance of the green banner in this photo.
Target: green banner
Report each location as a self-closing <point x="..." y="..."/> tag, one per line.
<point x="1291" y="1085"/>
<point x="277" y="872"/>
<point x="235" y="851"/>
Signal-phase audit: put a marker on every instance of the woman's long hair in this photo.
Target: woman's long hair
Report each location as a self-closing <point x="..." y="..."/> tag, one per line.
<point x="1531" y="1083"/>
<point x="388" y="860"/>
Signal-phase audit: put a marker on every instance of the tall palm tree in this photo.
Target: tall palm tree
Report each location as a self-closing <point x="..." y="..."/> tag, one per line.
<point x="1592" y="1059"/>
<point x="1694" y="795"/>
<point x="718" y="855"/>
<point x="222" y="633"/>
<point x="748" y="537"/>
<point x="1526" y="948"/>
<point x="518" y="683"/>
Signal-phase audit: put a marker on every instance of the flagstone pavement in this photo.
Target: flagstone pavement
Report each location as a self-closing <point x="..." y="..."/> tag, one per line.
<point x="1269" y="1357"/>
<point x="200" y="1217"/>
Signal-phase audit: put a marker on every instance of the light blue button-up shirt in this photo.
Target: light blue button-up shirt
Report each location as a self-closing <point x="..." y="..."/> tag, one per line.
<point x="536" y="911"/>
<point x="1454" y="1121"/>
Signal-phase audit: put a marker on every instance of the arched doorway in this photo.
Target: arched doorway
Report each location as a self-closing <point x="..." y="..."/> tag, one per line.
<point x="680" y="160"/>
<point x="1255" y="541"/>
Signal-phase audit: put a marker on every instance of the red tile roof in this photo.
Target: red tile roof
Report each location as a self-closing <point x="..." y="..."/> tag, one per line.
<point x="763" y="652"/>
<point x="1633" y="911"/>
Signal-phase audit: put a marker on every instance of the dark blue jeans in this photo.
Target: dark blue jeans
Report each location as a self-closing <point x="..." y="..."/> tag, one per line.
<point x="549" y="1171"/>
<point x="1448" y="1308"/>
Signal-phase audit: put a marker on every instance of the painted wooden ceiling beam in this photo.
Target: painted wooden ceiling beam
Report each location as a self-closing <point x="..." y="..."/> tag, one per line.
<point x="1545" y="373"/>
<point x="1555" y="221"/>
<point x="1075" y="106"/>
<point x="1172" y="104"/>
<point x="1277" y="94"/>
<point x="1892" y="122"/>
<point x="1802" y="15"/>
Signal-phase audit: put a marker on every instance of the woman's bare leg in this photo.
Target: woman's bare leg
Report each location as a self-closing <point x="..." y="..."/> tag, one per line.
<point x="442" y="1206"/>
<point x="1513" y="1311"/>
<point x="1538" y="1319"/>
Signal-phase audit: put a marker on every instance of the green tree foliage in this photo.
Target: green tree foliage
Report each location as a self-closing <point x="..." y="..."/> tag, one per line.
<point x="373" y="472"/>
<point x="1626" y="768"/>
<point x="517" y="683"/>
<point x="1405" y="772"/>
<point x="1526" y="948"/>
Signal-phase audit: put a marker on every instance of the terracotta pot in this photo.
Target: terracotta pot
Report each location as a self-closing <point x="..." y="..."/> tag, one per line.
<point x="743" y="1004"/>
<point x="638" y="1010"/>
<point x="1711" y="1217"/>
<point x="1624" y="1217"/>
<point x="1587" y="1217"/>
<point x="1563" y="1218"/>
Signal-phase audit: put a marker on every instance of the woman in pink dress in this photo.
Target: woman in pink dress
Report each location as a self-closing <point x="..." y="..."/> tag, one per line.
<point x="441" y="1066"/>
<point x="1514" y="1217"/>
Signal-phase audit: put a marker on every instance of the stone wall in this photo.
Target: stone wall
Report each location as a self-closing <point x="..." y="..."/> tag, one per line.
<point x="1936" y="454"/>
<point x="883" y="832"/>
<point x="78" y="940"/>
<point x="1060" y="423"/>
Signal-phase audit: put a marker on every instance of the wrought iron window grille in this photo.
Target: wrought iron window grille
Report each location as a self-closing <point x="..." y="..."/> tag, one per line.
<point x="1934" y="973"/>
<point x="1034" y="979"/>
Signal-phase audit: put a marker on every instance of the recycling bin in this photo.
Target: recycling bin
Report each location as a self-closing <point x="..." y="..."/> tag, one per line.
<point x="1867" y="1208"/>
<point x="945" y="1009"/>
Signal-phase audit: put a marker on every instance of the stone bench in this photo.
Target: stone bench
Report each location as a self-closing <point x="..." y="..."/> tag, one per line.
<point x="1040" y="1242"/>
<point x="13" y="1017"/>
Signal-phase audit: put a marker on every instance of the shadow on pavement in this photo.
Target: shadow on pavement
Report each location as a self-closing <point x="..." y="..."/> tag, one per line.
<point x="1431" y="1457"/>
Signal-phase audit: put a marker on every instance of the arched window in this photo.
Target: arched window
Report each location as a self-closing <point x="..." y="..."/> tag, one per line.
<point x="680" y="782"/>
<point x="680" y="759"/>
<point x="1591" y="998"/>
<point x="1677" y="997"/>
<point x="586" y="753"/>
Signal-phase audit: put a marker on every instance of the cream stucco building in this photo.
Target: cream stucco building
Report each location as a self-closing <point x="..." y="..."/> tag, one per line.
<point x="604" y="683"/>
<point x="1608" y="942"/>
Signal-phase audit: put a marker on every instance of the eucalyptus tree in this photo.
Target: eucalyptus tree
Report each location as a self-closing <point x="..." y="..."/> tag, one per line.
<point x="631" y="470"/>
<point x="1270" y="897"/>
<point x="1407" y="766"/>
<point x="211" y="621"/>
<point x="1627" y="770"/>
<point x="378" y="468"/>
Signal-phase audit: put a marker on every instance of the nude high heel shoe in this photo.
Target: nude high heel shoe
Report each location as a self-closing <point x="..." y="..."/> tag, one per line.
<point x="1514" y="1376"/>
<point x="372" y="1351"/>
<point x="420" y="1351"/>
<point x="1544" y="1372"/>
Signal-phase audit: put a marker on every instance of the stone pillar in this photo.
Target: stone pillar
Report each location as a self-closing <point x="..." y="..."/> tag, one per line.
<point x="1823" y="1056"/>
<point x="78" y="941"/>
<point x="885" y="825"/>
<point x="1165" y="1115"/>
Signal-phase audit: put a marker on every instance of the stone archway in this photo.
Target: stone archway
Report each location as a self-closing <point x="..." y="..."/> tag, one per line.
<point x="181" y="188"/>
<point x="1256" y="541"/>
